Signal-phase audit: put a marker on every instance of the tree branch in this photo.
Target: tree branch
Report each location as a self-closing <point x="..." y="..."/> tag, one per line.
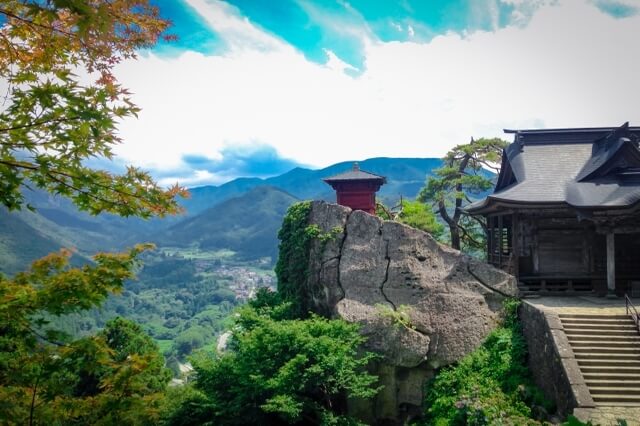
<point x="35" y="24"/>
<point x="33" y="400"/>
<point x="35" y="124"/>
<point x="468" y="236"/>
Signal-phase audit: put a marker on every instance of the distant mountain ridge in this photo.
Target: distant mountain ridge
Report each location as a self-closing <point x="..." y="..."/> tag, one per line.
<point x="247" y="224"/>
<point x="243" y="215"/>
<point x="405" y="176"/>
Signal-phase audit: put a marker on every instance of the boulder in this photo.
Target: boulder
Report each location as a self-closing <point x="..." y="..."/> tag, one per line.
<point x="422" y="305"/>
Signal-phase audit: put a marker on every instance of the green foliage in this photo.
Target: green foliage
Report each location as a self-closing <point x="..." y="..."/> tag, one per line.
<point x="271" y="304"/>
<point x="126" y="339"/>
<point x="492" y="385"/>
<point x="313" y="232"/>
<point x="190" y="339"/>
<point x="413" y="213"/>
<point x="179" y="307"/>
<point x="187" y="406"/>
<point x="279" y="371"/>
<point x="463" y="176"/>
<point x="420" y="216"/>
<point x="60" y="109"/>
<point x="53" y="120"/>
<point x="573" y="421"/>
<point x="292" y="266"/>
<point x="399" y="316"/>
<point x="47" y="377"/>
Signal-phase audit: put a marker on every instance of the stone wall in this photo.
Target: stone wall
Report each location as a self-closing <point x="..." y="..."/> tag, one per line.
<point x="551" y="360"/>
<point x="374" y="270"/>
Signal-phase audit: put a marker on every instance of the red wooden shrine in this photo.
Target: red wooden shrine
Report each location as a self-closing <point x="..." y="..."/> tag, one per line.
<point x="357" y="188"/>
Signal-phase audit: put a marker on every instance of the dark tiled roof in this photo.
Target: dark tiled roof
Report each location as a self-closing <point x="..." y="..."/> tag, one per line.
<point x="355" y="174"/>
<point x="584" y="168"/>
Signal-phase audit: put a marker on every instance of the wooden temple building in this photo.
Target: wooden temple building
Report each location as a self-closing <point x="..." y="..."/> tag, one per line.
<point x="565" y="213"/>
<point x="357" y="188"/>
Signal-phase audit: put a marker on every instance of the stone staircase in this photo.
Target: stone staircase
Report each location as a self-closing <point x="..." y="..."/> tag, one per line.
<point x="607" y="349"/>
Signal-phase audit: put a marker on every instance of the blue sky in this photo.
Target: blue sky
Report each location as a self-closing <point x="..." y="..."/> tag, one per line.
<point x="256" y="87"/>
<point x="303" y="24"/>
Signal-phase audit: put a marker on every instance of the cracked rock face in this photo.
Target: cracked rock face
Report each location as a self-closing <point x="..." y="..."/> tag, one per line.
<point x="376" y="272"/>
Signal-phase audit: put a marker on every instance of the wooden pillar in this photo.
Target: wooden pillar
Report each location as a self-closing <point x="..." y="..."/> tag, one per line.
<point x="489" y="239"/>
<point x="611" y="262"/>
<point x="515" y="245"/>
<point x="500" y="243"/>
<point x="534" y="253"/>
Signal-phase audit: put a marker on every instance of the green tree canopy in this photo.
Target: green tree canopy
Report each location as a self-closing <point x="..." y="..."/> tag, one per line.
<point x="62" y="102"/>
<point x="279" y="371"/>
<point x="47" y="377"/>
<point x="415" y="214"/>
<point x="463" y="175"/>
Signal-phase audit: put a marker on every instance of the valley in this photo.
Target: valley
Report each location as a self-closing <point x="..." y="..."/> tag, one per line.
<point x="181" y="297"/>
<point x="207" y="261"/>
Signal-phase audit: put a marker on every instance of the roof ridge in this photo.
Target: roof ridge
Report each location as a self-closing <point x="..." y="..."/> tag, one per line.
<point x="356" y="173"/>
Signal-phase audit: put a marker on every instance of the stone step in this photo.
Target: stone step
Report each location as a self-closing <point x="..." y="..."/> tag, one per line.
<point x="606" y="356"/>
<point x="615" y="399"/>
<point x="619" y="404"/>
<point x="625" y="327"/>
<point x="611" y="338"/>
<point x="609" y="363"/>
<point x="619" y="379"/>
<point x="593" y="316"/>
<point x="624" y="391"/>
<point x="627" y="320"/>
<point x="605" y="344"/>
<point x="604" y="383"/>
<point x="618" y="371"/>
<point x="601" y="332"/>
<point x="604" y="349"/>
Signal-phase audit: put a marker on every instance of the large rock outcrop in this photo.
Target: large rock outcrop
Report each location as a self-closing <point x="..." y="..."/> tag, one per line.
<point x="422" y="305"/>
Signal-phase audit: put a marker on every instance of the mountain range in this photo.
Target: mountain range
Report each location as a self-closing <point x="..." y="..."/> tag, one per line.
<point x="405" y="177"/>
<point x="242" y="215"/>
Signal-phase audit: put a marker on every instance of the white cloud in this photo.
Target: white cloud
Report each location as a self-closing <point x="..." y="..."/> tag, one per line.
<point x="336" y="64"/>
<point x="237" y="31"/>
<point x="197" y="177"/>
<point x="571" y="65"/>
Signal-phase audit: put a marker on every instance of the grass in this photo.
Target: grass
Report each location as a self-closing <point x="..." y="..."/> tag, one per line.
<point x="164" y="344"/>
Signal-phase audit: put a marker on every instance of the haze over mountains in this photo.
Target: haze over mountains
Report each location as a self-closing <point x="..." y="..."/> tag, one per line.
<point x="242" y="215"/>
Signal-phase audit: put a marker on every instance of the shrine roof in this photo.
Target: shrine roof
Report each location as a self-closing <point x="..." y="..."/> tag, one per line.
<point x="585" y="168"/>
<point x="355" y="174"/>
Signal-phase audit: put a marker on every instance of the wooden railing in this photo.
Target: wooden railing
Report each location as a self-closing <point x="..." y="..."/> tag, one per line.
<point x="631" y="310"/>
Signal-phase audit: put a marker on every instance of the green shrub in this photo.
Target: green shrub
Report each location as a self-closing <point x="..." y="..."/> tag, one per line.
<point x="293" y="257"/>
<point x="292" y="267"/>
<point x="278" y="372"/>
<point x="492" y="385"/>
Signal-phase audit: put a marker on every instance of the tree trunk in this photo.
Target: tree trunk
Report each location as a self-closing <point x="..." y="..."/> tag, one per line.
<point x="455" y="237"/>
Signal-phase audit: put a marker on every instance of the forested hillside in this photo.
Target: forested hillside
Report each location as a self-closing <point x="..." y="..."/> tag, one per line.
<point x="242" y="215"/>
<point x="248" y="225"/>
<point x="206" y="262"/>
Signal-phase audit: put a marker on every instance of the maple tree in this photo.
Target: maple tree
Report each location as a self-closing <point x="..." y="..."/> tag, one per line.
<point x="62" y="102"/>
<point x="60" y="106"/>
<point x="47" y="376"/>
